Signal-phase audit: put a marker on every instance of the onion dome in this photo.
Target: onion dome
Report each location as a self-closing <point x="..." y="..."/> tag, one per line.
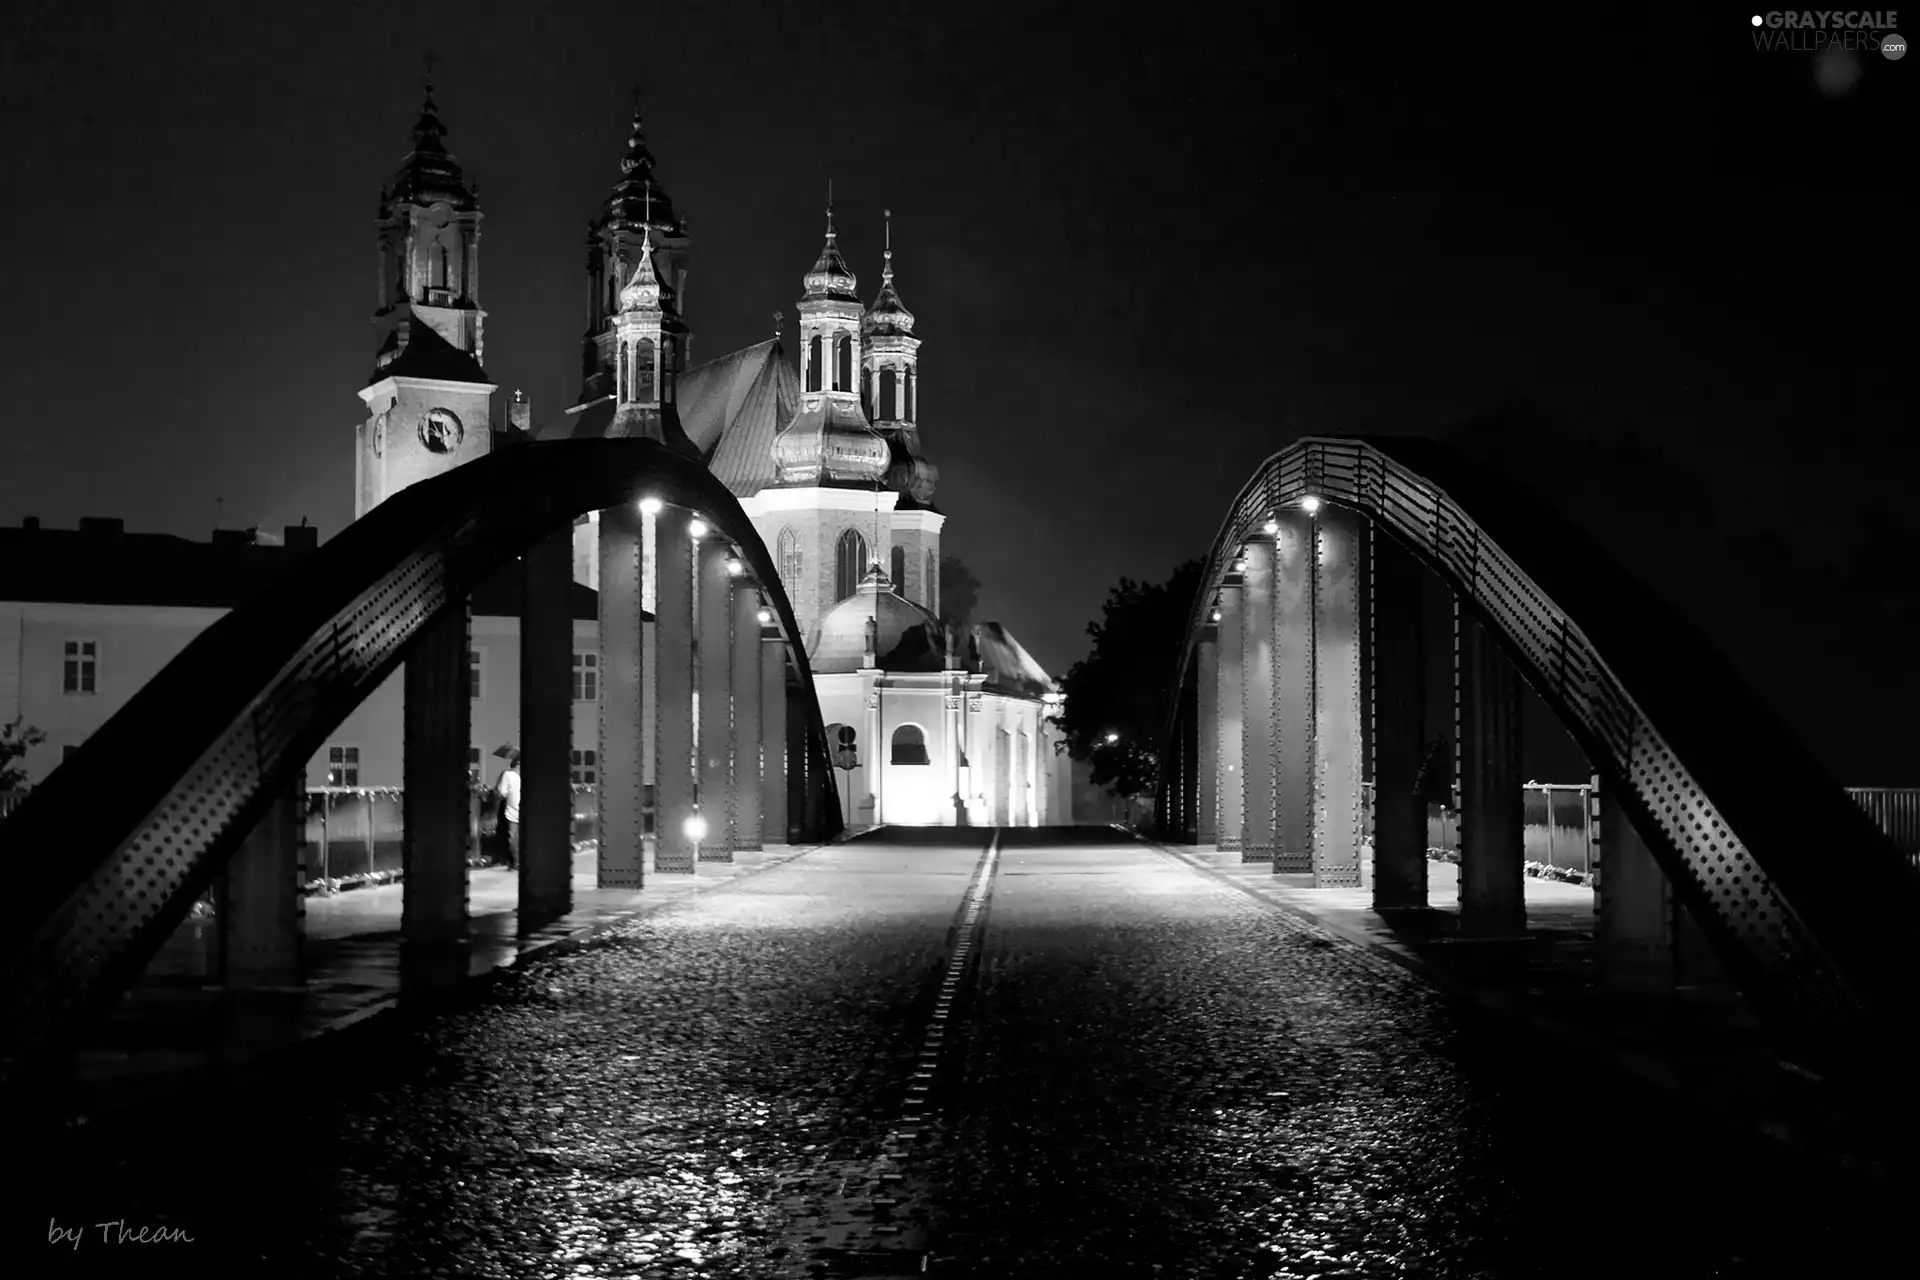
<point x="906" y="637"/>
<point x="429" y="174"/>
<point x="638" y="199"/>
<point x="830" y="276"/>
<point x="908" y="470"/>
<point x="888" y="315"/>
<point x="830" y="443"/>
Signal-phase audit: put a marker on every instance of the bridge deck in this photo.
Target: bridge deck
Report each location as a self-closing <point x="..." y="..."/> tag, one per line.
<point x="1066" y="1053"/>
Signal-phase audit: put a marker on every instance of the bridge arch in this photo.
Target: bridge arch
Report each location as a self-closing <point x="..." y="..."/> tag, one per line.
<point x="1810" y="906"/>
<point x="110" y="852"/>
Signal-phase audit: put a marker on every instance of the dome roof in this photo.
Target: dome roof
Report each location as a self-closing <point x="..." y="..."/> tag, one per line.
<point x="830" y="277"/>
<point x="887" y="315"/>
<point x="907" y="637"/>
<point x="908" y="470"/>
<point x="429" y="174"/>
<point x="830" y="442"/>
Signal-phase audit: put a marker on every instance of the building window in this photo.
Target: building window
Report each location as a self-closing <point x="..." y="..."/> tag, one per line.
<point x="473" y="766"/>
<point x="932" y="584"/>
<point x="789" y="551"/>
<point x="476" y="674"/>
<point x="586" y="677"/>
<point x="909" y="745"/>
<point x="899" y="569"/>
<point x="642" y="372"/>
<point x="843" y="363"/>
<point x="584" y="767"/>
<point x="80" y="673"/>
<point x="813" y="363"/>
<point x="866" y="392"/>
<point x="343" y="766"/>
<point x="908" y="415"/>
<point x="849" y="564"/>
<point x="888" y="406"/>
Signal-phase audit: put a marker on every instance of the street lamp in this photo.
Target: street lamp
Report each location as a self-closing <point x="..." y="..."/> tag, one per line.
<point x="696" y="528"/>
<point x="649" y="506"/>
<point x="1112" y="737"/>
<point x="1271" y="527"/>
<point x="766" y="617"/>
<point x="734" y="567"/>
<point x="695" y="826"/>
<point x="1309" y="504"/>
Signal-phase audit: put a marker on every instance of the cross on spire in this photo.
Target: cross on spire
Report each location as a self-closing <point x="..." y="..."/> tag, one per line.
<point x="829" y="206"/>
<point x="779" y="320"/>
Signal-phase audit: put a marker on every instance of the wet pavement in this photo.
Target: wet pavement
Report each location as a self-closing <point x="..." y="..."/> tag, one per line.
<point x="902" y="1056"/>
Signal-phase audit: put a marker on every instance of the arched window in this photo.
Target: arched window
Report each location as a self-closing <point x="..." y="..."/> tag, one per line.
<point x="909" y="745"/>
<point x="899" y="569"/>
<point x="908" y="415"/>
<point x="843" y="363"/>
<point x="866" y="392"/>
<point x="889" y="409"/>
<point x="643" y="371"/>
<point x="932" y="583"/>
<point x="623" y="371"/>
<point x="849" y="564"/>
<point x="789" y="550"/>
<point x="437" y="266"/>
<point x="813" y="363"/>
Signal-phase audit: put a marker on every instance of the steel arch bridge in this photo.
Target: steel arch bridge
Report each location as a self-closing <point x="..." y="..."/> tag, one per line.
<point x="1811" y="908"/>
<point x="112" y="850"/>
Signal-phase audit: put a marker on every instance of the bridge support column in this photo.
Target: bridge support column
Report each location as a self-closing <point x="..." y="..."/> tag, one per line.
<point x="1398" y="733"/>
<point x="1206" y="777"/>
<point x="1191" y="737"/>
<point x="1257" y="762"/>
<point x="622" y="858"/>
<point x="546" y="730"/>
<point x="1339" y="741"/>
<point x="675" y="733"/>
<point x="713" y="654"/>
<point x="803" y="781"/>
<point x="438" y="717"/>
<point x="773" y="736"/>
<point x="1492" y="806"/>
<point x="261" y="913"/>
<point x="1636" y="907"/>
<point x="1294" y="642"/>
<point x="1230" y="701"/>
<point x="748" y="739"/>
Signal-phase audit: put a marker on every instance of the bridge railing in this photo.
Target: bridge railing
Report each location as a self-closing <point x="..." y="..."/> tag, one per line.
<point x="1896" y="810"/>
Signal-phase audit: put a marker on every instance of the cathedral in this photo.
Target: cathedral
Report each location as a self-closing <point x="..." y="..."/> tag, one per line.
<point x="931" y="724"/>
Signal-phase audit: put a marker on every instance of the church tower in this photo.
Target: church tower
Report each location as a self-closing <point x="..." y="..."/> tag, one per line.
<point x="648" y="343"/>
<point x="637" y="213"/>
<point x="429" y="401"/>
<point x="827" y="515"/>
<point x="890" y="388"/>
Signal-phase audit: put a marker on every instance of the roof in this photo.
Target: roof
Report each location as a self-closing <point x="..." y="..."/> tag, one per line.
<point x="1009" y="667"/>
<point x="106" y="566"/>
<point x="909" y="637"/>
<point x="732" y="408"/>
<point x="423" y="353"/>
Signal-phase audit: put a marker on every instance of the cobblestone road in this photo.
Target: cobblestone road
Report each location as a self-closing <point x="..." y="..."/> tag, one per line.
<point x="1122" y="1067"/>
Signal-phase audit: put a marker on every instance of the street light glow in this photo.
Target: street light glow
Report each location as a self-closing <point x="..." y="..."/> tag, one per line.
<point x="696" y="528"/>
<point x="1216" y="615"/>
<point x="766" y="617"/>
<point x="1271" y="527"/>
<point x="734" y="566"/>
<point x="649" y="506"/>
<point x="1113" y="737"/>
<point x="695" y="827"/>
<point x="1309" y="504"/>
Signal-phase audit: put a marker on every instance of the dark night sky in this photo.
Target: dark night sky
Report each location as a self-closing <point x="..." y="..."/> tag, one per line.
<point x="1143" y="257"/>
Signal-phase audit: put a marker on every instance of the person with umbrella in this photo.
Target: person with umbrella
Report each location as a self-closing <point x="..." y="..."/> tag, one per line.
<point x="508" y="787"/>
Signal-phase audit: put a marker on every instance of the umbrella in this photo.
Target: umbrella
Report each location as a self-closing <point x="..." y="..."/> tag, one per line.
<point x="504" y="750"/>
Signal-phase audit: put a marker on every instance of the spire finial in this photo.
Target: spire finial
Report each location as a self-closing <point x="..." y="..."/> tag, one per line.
<point x="649" y="202"/>
<point x="779" y="322"/>
<point x="427" y="131"/>
<point x="886" y="269"/>
<point x="829" y="206"/>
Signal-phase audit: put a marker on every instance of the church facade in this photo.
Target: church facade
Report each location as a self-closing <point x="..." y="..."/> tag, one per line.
<point x="931" y="724"/>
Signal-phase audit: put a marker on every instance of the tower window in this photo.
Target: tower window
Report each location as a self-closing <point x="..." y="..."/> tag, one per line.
<point x="643" y="371"/>
<point x="889" y="408"/>
<point x="908" y="415"/>
<point x="789" y="551"/>
<point x="843" y="363"/>
<point x="813" y="363"/>
<point x="623" y="371"/>
<point x="849" y="564"/>
<point x="931" y="585"/>
<point x="866" y="392"/>
<point x="899" y="569"/>
<point x="909" y="745"/>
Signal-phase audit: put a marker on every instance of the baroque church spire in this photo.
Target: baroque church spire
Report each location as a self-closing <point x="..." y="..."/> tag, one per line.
<point x="647" y="353"/>
<point x="889" y="383"/>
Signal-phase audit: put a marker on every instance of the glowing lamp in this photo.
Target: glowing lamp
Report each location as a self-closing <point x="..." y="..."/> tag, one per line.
<point x="1216" y="615"/>
<point x="734" y="567"/>
<point x="766" y="617"/>
<point x="649" y="506"/>
<point x="1309" y="504"/>
<point x="1113" y="737"/>
<point x="696" y="528"/>
<point x="695" y="827"/>
<point x="1240" y="565"/>
<point x="1271" y="527"/>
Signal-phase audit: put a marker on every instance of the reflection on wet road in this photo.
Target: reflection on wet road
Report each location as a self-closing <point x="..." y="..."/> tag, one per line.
<point x="1132" y="1069"/>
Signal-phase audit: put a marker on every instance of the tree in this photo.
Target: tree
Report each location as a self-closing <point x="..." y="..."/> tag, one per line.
<point x="959" y="592"/>
<point x="16" y="739"/>
<point x="1122" y="689"/>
